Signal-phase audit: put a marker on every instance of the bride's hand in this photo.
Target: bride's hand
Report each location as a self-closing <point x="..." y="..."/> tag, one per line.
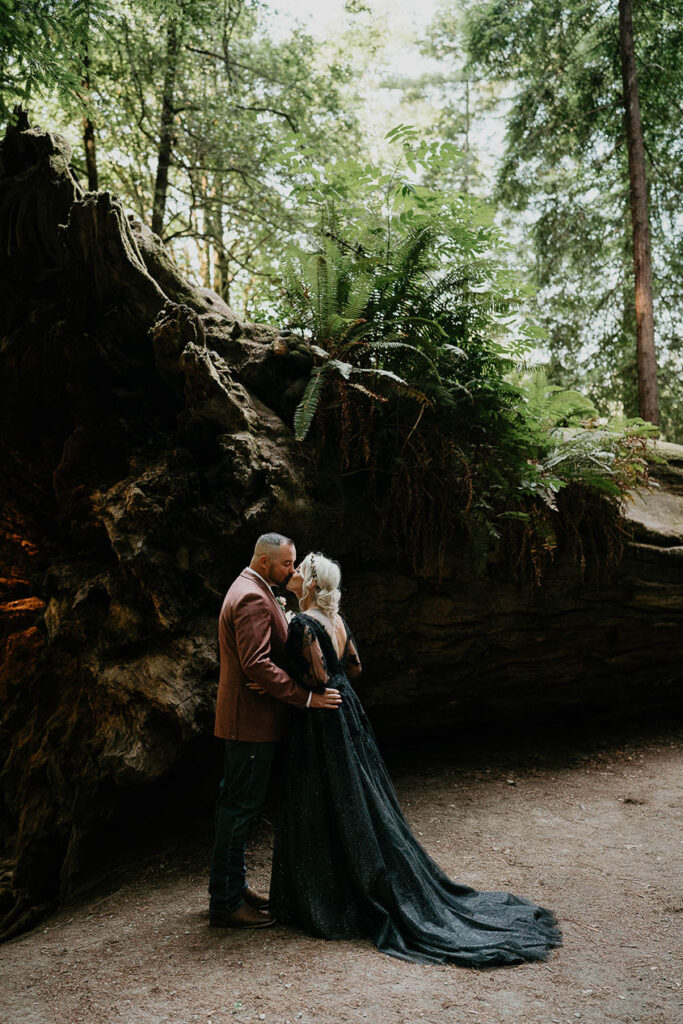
<point x="328" y="699"/>
<point x="255" y="687"/>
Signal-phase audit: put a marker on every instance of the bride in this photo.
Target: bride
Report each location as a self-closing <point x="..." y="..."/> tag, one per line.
<point x="345" y="861"/>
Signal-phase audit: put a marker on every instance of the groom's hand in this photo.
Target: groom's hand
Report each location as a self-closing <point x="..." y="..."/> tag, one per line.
<point x="328" y="699"/>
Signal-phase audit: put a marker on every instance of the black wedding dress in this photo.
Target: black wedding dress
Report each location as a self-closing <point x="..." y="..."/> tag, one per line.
<point x="345" y="862"/>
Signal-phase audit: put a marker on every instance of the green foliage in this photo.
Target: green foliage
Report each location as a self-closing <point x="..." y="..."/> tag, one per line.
<point x="578" y="472"/>
<point x="552" y="405"/>
<point x="564" y="174"/>
<point x="405" y="280"/>
<point x="36" y="44"/>
<point x="45" y="48"/>
<point x="407" y="288"/>
<point x="240" y="100"/>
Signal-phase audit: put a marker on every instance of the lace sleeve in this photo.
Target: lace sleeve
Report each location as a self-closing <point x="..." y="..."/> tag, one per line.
<point x="350" y="658"/>
<point x="306" y="661"/>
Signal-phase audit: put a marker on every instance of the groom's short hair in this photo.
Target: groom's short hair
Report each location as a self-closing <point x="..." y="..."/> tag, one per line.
<point x="269" y="544"/>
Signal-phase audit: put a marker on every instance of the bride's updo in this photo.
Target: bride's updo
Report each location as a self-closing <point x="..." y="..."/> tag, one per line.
<point x="321" y="578"/>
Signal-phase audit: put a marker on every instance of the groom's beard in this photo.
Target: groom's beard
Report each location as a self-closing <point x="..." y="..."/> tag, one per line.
<point x="281" y="586"/>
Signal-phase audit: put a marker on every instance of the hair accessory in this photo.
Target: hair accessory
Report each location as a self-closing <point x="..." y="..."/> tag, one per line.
<point x="314" y="574"/>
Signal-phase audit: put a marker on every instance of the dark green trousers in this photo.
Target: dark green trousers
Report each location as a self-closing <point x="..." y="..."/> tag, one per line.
<point x="241" y="795"/>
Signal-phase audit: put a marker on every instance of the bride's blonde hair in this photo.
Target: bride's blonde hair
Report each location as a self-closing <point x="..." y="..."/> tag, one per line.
<point x="324" y="576"/>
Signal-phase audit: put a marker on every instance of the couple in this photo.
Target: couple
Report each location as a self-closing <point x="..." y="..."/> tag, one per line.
<point x="345" y="862"/>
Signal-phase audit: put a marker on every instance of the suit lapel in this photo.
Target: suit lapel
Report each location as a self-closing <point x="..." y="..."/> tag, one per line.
<point x="266" y="590"/>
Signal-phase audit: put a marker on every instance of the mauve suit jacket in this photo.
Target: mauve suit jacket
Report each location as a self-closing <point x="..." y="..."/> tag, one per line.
<point x="252" y="632"/>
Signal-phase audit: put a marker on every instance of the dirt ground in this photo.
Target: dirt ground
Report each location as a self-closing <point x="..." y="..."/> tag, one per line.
<point x="591" y="829"/>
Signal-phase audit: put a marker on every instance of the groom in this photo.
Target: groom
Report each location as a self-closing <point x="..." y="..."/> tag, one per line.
<point x="252" y="631"/>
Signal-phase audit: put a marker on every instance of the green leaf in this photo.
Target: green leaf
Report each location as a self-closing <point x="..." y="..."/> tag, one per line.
<point x="307" y="407"/>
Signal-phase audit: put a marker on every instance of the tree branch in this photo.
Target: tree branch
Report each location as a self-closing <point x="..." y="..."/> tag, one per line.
<point x="271" y="110"/>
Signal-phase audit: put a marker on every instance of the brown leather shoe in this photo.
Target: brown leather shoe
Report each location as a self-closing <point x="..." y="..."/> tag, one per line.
<point x="244" y="917"/>
<point x="255" y="899"/>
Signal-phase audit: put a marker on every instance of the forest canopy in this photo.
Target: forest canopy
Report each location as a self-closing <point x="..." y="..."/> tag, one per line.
<point x="236" y="136"/>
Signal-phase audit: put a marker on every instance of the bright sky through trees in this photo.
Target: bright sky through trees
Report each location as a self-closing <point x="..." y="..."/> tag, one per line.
<point x="324" y="17"/>
<point x="392" y="31"/>
<point x="401" y="25"/>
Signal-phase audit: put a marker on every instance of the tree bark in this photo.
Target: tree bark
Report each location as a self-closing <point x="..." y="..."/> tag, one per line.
<point x="166" y="128"/>
<point x="89" y="131"/>
<point x="207" y="255"/>
<point x="645" y="332"/>
<point x="222" y="278"/>
<point x="90" y="154"/>
<point x="626" y="358"/>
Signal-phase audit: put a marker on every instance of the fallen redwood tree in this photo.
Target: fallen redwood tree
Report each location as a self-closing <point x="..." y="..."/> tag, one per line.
<point x="145" y="443"/>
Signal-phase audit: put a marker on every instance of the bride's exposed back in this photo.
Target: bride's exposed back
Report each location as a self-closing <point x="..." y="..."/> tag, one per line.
<point x="345" y="861"/>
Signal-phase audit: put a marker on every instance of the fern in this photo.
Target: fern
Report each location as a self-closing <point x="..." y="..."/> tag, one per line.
<point x="331" y="368"/>
<point x="404" y="291"/>
<point x="308" y="406"/>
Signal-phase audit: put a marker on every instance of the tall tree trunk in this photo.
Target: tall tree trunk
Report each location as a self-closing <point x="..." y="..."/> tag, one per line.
<point x="207" y="265"/>
<point x="465" y="184"/>
<point x="625" y="357"/>
<point x="166" y="127"/>
<point x="208" y="232"/>
<point x="90" y="154"/>
<point x="645" y="329"/>
<point x="89" y="130"/>
<point x="248" y="292"/>
<point x="625" y="351"/>
<point x="224" y="276"/>
<point x="218" y="257"/>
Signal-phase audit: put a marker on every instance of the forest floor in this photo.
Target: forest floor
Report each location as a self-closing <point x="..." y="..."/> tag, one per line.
<point x="590" y="828"/>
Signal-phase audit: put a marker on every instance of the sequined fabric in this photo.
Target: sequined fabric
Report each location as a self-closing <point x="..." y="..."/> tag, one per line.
<point x="345" y="861"/>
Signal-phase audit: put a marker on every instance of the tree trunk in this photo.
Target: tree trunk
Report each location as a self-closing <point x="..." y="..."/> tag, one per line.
<point x="166" y="127"/>
<point x="223" y="278"/>
<point x="206" y="263"/>
<point x="218" y="258"/>
<point x="90" y="155"/>
<point x="626" y="357"/>
<point x="645" y="330"/>
<point x="89" y="131"/>
<point x="248" y="292"/>
<point x="208" y="234"/>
